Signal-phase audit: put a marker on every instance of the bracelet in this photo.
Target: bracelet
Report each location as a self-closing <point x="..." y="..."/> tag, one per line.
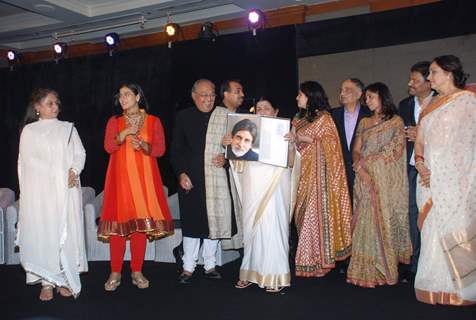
<point x="419" y="158"/>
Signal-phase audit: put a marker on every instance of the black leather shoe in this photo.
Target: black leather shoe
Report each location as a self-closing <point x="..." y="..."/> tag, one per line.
<point x="407" y="277"/>
<point x="343" y="269"/>
<point x="212" y="274"/>
<point x="178" y="254"/>
<point x="184" y="278"/>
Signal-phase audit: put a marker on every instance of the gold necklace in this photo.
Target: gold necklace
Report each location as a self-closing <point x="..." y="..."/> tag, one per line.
<point x="136" y="119"/>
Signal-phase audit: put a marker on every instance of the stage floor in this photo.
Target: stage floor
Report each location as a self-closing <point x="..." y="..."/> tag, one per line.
<point x="325" y="298"/>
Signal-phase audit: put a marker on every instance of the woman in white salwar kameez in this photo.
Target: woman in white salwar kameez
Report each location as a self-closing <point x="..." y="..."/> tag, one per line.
<point x="50" y="224"/>
<point x="445" y="157"/>
<point x="265" y="194"/>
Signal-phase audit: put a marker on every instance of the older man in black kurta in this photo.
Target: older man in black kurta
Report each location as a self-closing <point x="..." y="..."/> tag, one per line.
<point x="187" y="155"/>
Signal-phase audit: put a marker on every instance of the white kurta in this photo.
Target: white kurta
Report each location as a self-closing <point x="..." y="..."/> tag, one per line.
<point x="50" y="224"/>
<point x="265" y="232"/>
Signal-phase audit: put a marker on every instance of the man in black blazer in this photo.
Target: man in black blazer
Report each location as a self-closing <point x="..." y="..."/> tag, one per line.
<point x="347" y="118"/>
<point x="409" y="109"/>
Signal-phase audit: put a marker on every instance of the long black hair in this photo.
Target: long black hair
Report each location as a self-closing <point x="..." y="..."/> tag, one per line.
<point x="316" y="100"/>
<point x="137" y="90"/>
<point x="388" y="106"/>
<point x="31" y="115"/>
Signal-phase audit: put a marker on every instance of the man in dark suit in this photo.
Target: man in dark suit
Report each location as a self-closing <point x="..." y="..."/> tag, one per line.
<point x="409" y="109"/>
<point x="347" y="118"/>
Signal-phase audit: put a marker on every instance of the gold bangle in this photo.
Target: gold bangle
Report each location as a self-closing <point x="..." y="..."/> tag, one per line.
<point x="419" y="158"/>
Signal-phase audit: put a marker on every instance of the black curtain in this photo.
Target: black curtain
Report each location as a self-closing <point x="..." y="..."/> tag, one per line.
<point x="86" y="87"/>
<point x="266" y="64"/>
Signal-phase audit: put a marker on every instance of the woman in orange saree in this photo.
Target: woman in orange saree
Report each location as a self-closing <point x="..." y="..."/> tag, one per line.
<point x="380" y="226"/>
<point x="445" y="157"/>
<point x="134" y="205"/>
<point x="322" y="211"/>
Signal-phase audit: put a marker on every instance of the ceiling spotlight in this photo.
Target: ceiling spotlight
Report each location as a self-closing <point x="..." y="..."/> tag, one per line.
<point x="59" y="49"/>
<point x="171" y="30"/>
<point x="112" y="42"/>
<point x="255" y="20"/>
<point x="208" y="32"/>
<point x="12" y="58"/>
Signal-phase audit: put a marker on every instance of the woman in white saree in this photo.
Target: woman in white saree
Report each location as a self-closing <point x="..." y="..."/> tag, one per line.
<point x="265" y="194"/>
<point x="445" y="154"/>
<point x="50" y="224"/>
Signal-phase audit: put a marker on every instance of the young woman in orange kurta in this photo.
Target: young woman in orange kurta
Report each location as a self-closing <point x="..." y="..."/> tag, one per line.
<point x="134" y="205"/>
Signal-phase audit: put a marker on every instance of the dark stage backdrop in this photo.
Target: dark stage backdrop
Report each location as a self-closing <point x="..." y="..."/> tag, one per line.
<point x="266" y="64"/>
<point x="86" y="87"/>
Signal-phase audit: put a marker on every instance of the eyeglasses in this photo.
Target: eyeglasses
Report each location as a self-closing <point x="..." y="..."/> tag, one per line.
<point x="204" y="95"/>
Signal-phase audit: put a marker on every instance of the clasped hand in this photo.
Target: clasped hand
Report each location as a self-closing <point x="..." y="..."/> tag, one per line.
<point x="138" y="144"/>
<point x="297" y="138"/>
<point x="131" y="130"/>
<point x="136" y="141"/>
<point x="425" y="175"/>
<point x="410" y="133"/>
<point x="73" y="179"/>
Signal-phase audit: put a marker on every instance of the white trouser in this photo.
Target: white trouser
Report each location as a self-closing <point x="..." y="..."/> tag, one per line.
<point x="191" y="246"/>
<point x="45" y="283"/>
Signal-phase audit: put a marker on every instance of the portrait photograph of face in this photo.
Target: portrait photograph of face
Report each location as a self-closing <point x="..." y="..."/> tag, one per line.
<point x="244" y="139"/>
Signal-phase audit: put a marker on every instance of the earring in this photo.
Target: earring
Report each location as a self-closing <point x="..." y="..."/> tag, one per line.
<point x="38" y="113"/>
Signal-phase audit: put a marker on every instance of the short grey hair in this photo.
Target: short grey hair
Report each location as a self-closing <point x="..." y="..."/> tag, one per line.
<point x="200" y="81"/>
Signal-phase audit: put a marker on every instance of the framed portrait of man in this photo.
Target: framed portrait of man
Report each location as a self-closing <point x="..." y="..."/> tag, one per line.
<point x="258" y="138"/>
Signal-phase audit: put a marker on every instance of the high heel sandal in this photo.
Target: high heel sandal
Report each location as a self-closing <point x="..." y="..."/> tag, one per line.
<point x="139" y="280"/>
<point x="113" y="282"/>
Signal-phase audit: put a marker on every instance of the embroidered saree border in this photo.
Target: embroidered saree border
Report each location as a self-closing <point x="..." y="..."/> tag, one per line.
<point x="444" y="298"/>
<point x="273" y="281"/>
<point x="155" y="229"/>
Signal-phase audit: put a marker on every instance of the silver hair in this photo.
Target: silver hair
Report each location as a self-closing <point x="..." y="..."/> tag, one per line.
<point x="200" y="81"/>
